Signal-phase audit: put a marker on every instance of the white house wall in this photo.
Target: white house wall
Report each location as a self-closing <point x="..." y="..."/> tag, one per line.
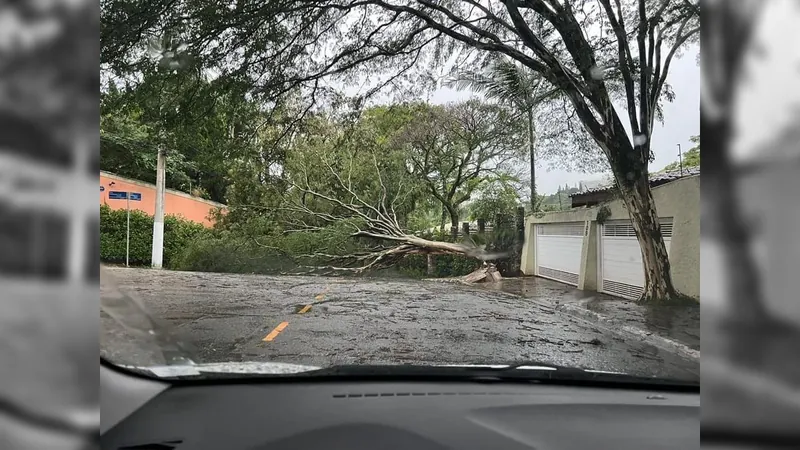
<point x="678" y="200"/>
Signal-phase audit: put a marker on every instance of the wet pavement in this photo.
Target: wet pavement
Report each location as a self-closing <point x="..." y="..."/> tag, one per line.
<point x="679" y="323"/>
<point x="329" y="321"/>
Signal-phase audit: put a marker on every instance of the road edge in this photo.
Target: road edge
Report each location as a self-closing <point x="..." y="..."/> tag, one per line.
<point x="578" y="310"/>
<point x="649" y="337"/>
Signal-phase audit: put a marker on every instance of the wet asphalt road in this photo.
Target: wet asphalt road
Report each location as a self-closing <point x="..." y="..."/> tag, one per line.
<point x="228" y="317"/>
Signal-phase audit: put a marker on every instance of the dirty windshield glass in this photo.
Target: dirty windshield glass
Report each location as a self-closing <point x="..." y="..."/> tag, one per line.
<point x="289" y="186"/>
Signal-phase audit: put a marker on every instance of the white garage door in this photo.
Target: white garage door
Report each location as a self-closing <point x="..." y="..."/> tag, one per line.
<point x="621" y="269"/>
<point x="558" y="251"/>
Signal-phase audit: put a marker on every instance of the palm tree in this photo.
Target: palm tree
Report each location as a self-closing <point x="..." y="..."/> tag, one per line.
<point x="518" y="87"/>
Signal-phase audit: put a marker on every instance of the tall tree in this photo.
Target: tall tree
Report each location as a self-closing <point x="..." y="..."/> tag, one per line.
<point x="349" y="179"/>
<point x="455" y="149"/>
<point x="207" y="127"/>
<point x="493" y="199"/>
<point x="513" y="84"/>
<point x="593" y="51"/>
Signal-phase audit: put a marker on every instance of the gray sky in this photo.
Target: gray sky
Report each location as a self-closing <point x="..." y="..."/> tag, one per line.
<point x="681" y="121"/>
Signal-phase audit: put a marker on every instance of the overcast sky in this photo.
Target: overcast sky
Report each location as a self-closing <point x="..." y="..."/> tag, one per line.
<point x="681" y="121"/>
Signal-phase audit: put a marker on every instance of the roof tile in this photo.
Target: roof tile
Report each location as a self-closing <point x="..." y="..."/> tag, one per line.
<point x="659" y="177"/>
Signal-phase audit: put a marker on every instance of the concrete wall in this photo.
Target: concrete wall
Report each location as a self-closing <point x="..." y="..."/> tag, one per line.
<point x="176" y="203"/>
<point x="679" y="200"/>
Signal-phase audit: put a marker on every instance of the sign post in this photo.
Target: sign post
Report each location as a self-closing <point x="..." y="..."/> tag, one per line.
<point x="128" y="196"/>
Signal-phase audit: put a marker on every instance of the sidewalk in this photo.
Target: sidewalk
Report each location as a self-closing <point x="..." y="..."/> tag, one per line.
<point x="675" y="329"/>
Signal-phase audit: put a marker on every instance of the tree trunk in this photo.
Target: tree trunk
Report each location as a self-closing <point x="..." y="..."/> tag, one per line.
<point x="531" y="146"/>
<point x="644" y="218"/>
<point x="453" y="224"/>
<point x="430" y="265"/>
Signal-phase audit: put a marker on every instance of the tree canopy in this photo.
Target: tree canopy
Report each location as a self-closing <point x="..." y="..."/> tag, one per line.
<point x="606" y="63"/>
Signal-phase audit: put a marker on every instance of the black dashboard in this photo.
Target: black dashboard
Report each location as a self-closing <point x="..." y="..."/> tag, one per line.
<point x="407" y="415"/>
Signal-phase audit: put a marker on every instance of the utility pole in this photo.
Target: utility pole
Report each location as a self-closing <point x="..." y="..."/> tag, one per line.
<point x="680" y="158"/>
<point x="158" y="219"/>
<point x="166" y="51"/>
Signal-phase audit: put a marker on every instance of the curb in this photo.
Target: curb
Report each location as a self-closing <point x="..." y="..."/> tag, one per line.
<point x="637" y="333"/>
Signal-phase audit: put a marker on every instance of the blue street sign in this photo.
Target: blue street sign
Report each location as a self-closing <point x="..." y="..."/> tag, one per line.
<point x="122" y="195"/>
<point x="102" y="188"/>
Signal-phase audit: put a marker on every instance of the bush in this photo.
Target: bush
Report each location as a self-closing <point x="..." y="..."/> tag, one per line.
<point x="445" y="266"/>
<point x="178" y="233"/>
<point x="227" y="253"/>
<point x="241" y="251"/>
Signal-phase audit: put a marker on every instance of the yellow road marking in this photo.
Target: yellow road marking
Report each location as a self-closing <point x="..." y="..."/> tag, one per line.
<point x="304" y="310"/>
<point x="321" y="295"/>
<point x="274" y="333"/>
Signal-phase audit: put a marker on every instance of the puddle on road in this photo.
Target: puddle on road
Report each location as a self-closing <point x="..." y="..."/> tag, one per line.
<point x="677" y="322"/>
<point x="538" y="288"/>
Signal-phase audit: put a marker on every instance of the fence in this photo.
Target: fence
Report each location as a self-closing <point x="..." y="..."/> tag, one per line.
<point x="504" y="235"/>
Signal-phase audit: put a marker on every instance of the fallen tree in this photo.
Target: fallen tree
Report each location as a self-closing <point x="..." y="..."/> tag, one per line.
<point x="484" y="274"/>
<point x="312" y="205"/>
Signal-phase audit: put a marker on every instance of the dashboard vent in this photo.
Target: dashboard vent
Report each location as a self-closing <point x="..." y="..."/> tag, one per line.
<point x="163" y="445"/>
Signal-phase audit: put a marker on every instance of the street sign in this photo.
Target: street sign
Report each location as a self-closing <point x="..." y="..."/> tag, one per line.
<point x="123" y="195"/>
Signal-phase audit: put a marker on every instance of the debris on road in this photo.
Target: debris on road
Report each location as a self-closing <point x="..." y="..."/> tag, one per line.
<point x="487" y="273"/>
<point x="369" y="321"/>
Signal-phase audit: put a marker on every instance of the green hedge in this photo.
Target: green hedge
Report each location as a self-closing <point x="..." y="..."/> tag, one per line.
<point x="178" y="234"/>
<point x="227" y="253"/>
<point x="445" y="266"/>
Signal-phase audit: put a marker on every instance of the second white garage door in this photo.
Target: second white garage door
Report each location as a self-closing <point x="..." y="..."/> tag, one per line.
<point x="621" y="269"/>
<point x="558" y="251"/>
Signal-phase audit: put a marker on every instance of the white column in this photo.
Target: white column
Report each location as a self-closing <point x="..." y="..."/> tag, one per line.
<point x="158" y="219"/>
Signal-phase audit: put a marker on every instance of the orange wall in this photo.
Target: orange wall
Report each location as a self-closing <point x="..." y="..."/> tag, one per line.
<point x="175" y="203"/>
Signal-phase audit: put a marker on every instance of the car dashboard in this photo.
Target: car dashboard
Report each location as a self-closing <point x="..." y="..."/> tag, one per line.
<point x="416" y="415"/>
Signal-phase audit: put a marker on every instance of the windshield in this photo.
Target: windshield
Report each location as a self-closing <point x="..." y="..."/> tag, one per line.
<point x="287" y="188"/>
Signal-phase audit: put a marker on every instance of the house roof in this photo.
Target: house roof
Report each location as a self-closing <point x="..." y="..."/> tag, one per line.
<point x="655" y="180"/>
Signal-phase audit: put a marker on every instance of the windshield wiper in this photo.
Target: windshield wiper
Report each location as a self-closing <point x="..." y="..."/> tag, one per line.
<point x="579" y="375"/>
<point x="532" y="364"/>
<point x="526" y="371"/>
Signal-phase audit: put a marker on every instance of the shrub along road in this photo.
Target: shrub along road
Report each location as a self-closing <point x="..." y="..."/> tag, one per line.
<point x="327" y="321"/>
